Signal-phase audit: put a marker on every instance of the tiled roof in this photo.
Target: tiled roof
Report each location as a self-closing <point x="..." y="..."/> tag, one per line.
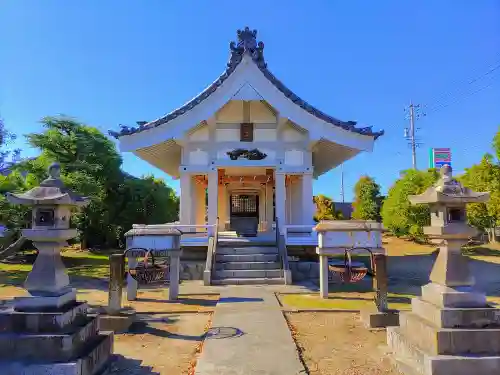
<point x="247" y="44"/>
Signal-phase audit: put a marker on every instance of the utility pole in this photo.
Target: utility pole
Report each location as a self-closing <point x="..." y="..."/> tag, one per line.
<point x="342" y="182"/>
<point x="410" y="132"/>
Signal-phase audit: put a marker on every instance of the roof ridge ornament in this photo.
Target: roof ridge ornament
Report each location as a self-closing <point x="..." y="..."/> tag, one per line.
<point x="247" y="43"/>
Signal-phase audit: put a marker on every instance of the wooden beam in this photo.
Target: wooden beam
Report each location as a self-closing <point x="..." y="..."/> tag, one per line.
<point x="242" y="179"/>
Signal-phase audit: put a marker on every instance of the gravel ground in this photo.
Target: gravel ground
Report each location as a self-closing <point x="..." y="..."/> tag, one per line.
<point x="338" y="344"/>
<point x="161" y="345"/>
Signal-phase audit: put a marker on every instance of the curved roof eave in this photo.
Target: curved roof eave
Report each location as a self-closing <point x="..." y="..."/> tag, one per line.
<point x="247" y="44"/>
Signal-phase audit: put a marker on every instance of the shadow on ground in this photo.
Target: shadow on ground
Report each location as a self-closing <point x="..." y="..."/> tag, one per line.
<point x="122" y="365"/>
<point x="481" y="251"/>
<point x="153" y="328"/>
<point x="239" y="299"/>
<point x="183" y="301"/>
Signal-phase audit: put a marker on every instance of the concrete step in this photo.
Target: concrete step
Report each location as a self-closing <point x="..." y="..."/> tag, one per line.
<point x="449" y="341"/>
<point x="247" y="250"/>
<point x="246" y="257"/>
<point x="247" y="274"/>
<point x="254" y="281"/>
<point x="410" y="355"/>
<point x="247" y="265"/>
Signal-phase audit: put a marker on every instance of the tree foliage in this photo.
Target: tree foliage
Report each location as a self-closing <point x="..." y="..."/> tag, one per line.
<point x="325" y="209"/>
<point x="13" y="216"/>
<point x="485" y="176"/>
<point x="7" y="156"/>
<point x="367" y="199"/>
<point x="91" y="166"/>
<point x="398" y="215"/>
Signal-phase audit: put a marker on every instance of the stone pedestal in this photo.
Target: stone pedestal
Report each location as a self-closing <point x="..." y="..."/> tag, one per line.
<point x="63" y="341"/>
<point x="437" y="340"/>
<point x="450" y="329"/>
<point x="49" y="332"/>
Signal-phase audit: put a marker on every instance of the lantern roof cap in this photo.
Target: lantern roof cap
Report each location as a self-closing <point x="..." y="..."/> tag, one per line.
<point x="448" y="190"/>
<point x="51" y="191"/>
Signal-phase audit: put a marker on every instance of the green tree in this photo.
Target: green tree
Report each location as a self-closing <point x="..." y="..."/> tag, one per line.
<point x="14" y="217"/>
<point x="91" y="165"/>
<point x="325" y="208"/>
<point x="7" y="156"/>
<point x="485" y="176"/>
<point x="367" y="199"/>
<point x="398" y="215"/>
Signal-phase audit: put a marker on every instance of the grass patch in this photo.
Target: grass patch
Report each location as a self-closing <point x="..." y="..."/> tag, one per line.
<point x="351" y="301"/>
<point x="343" y="301"/>
<point x="78" y="264"/>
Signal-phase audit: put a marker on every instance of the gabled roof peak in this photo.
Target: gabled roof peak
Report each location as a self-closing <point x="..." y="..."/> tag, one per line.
<point x="247" y="44"/>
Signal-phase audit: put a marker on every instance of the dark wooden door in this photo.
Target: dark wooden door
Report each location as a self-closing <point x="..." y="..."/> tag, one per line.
<point x="244" y="214"/>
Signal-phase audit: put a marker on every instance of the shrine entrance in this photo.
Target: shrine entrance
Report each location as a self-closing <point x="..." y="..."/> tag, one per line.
<point x="244" y="214"/>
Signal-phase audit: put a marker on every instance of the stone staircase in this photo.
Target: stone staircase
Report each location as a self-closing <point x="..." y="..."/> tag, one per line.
<point x="247" y="264"/>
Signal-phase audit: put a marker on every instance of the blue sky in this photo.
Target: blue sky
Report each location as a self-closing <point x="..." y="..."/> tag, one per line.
<point x="112" y="62"/>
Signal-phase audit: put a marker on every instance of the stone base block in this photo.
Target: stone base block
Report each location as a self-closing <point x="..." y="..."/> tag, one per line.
<point x="449" y="317"/>
<point x="43" y="322"/>
<point x="92" y="362"/>
<point x="443" y="296"/>
<point x="44" y="303"/>
<point x="117" y="323"/>
<point x="449" y="341"/>
<point x="372" y="318"/>
<point x="412" y="360"/>
<point x="53" y="347"/>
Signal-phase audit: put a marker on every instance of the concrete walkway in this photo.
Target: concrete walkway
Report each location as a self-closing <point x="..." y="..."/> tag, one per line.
<point x="249" y="336"/>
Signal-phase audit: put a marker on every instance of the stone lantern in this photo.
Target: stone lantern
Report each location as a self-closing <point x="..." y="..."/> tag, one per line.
<point x="451" y="280"/>
<point x="49" y="331"/>
<point x="451" y="328"/>
<point x="52" y="204"/>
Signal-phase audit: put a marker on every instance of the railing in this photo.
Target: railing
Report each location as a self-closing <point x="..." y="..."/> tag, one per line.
<point x="211" y="251"/>
<point x="300" y="235"/>
<point x="192" y="234"/>
<point x="281" y="244"/>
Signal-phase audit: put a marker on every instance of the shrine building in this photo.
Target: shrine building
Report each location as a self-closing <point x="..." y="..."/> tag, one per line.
<point x="247" y="147"/>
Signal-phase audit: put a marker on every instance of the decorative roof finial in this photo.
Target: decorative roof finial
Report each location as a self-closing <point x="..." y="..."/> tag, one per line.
<point x="55" y="171"/>
<point x="446" y="171"/>
<point x="247" y="43"/>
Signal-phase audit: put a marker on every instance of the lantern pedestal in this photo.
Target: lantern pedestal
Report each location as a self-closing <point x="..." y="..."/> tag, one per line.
<point x="48" y="282"/>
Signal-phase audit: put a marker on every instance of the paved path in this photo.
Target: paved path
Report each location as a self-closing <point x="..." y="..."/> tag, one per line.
<point x="249" y="336"/>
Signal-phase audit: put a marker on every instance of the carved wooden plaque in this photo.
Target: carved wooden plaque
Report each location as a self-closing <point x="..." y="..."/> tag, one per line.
<point x="246" y="132"/>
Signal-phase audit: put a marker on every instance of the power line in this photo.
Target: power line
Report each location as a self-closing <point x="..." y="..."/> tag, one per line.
<point x="442" y="104"/>
<point x="439" y="107"/>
